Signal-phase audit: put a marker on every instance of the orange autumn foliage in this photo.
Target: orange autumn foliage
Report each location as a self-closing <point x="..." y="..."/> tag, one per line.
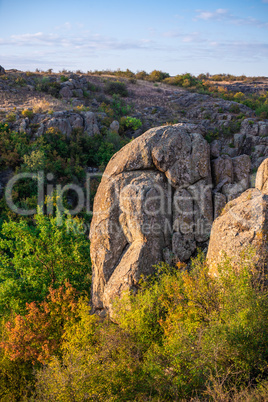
<point x="37" y="336"/>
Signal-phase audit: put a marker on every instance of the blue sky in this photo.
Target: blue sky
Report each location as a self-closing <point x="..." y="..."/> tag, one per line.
<point x="172" y="36"/>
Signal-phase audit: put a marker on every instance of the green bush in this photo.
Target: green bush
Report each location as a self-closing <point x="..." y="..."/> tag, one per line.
<point x="45" y="85"/>
<point x="234" y="108"/>
<point x="11" y="117"/>
<point x="20" y="81"/>
<point x="36" y="258"/>
<point x="115" y="108"/>
<point x="141" y="75"/>
<point x="27" y="113"/>
<point x="63" y="78"/>
<point x="116" y="87"/>
<point x="183" y="80"/>
<point x="130" y="122"/>
<point x="157" y="75"/>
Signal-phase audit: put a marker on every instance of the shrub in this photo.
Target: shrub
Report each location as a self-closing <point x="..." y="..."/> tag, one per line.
<point x="262" y="111"/>
<point x="239" y="95"/>
<point x="130" y="122"/>
<point x="116" y="87"/>
<point x="92" y="87"/>
<point x="21" y="82"/>
<point x="115" y="108"/>
<point x="63" y="78"/>
<point x="27" y="113"/>
<point x="234" y="108"/>
<point x="157" y="75"/>
<point x="11" y="117"/>
<point x="141" y="75"/>
<point x="45" y="85"/>
<point x="183" y="80"/>
<point x="41" y="257"/>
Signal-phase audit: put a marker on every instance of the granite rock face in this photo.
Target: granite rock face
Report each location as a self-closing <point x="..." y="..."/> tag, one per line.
<point x="155" y="196"/>
<point x="243" y="223"/>
<point x="157" y="201"/>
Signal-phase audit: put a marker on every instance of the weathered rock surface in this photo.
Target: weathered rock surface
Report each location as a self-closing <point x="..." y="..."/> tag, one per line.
<point x="157" y="201"/>
<point x="262" y="177"/>
<point x="156" y="194"/>
<point x="243" y="223"/>
<point x="64" y="121"/>
<point x="91" y="126"/>
<point x="60" y="124"/>
<point x="2" y="70"/>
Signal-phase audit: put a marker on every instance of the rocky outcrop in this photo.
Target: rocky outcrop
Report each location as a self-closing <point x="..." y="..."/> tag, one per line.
<point x="64" y="121"/>
<point x="243" y="223"/>
<point x="155" y="202"/>
<point x="2" y="70"/>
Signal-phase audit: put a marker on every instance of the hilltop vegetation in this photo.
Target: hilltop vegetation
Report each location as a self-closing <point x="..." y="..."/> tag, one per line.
<point x="215" y="85"/>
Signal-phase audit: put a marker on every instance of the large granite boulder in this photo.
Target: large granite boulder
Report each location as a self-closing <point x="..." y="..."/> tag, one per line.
<point x="157" y="201"/>
<point x="242" y="224"/>
<point x="154" y="200"/>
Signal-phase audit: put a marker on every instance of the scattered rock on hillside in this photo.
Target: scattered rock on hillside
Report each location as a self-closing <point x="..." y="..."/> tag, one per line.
<point x="64" y="121"/>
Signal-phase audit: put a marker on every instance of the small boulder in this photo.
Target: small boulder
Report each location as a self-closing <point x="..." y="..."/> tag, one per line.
<point x="66" y="93"/>
<point x="78" y="93"/>
<point x="114" y="126"/>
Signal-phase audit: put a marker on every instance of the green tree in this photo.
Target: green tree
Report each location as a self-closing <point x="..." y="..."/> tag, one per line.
<point x="37" y="257"/>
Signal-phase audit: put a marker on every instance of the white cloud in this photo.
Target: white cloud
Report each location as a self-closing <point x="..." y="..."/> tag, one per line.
<point x="172" y="34"/>
<point x="66" y="26"/>
<point x="85" y="41"/>
<point x="193" y="37"/>
<point x="224" y="15"/>
<point x="219" y="14"/>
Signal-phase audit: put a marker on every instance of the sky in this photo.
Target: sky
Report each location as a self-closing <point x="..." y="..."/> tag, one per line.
<point x="170" y="35"/>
